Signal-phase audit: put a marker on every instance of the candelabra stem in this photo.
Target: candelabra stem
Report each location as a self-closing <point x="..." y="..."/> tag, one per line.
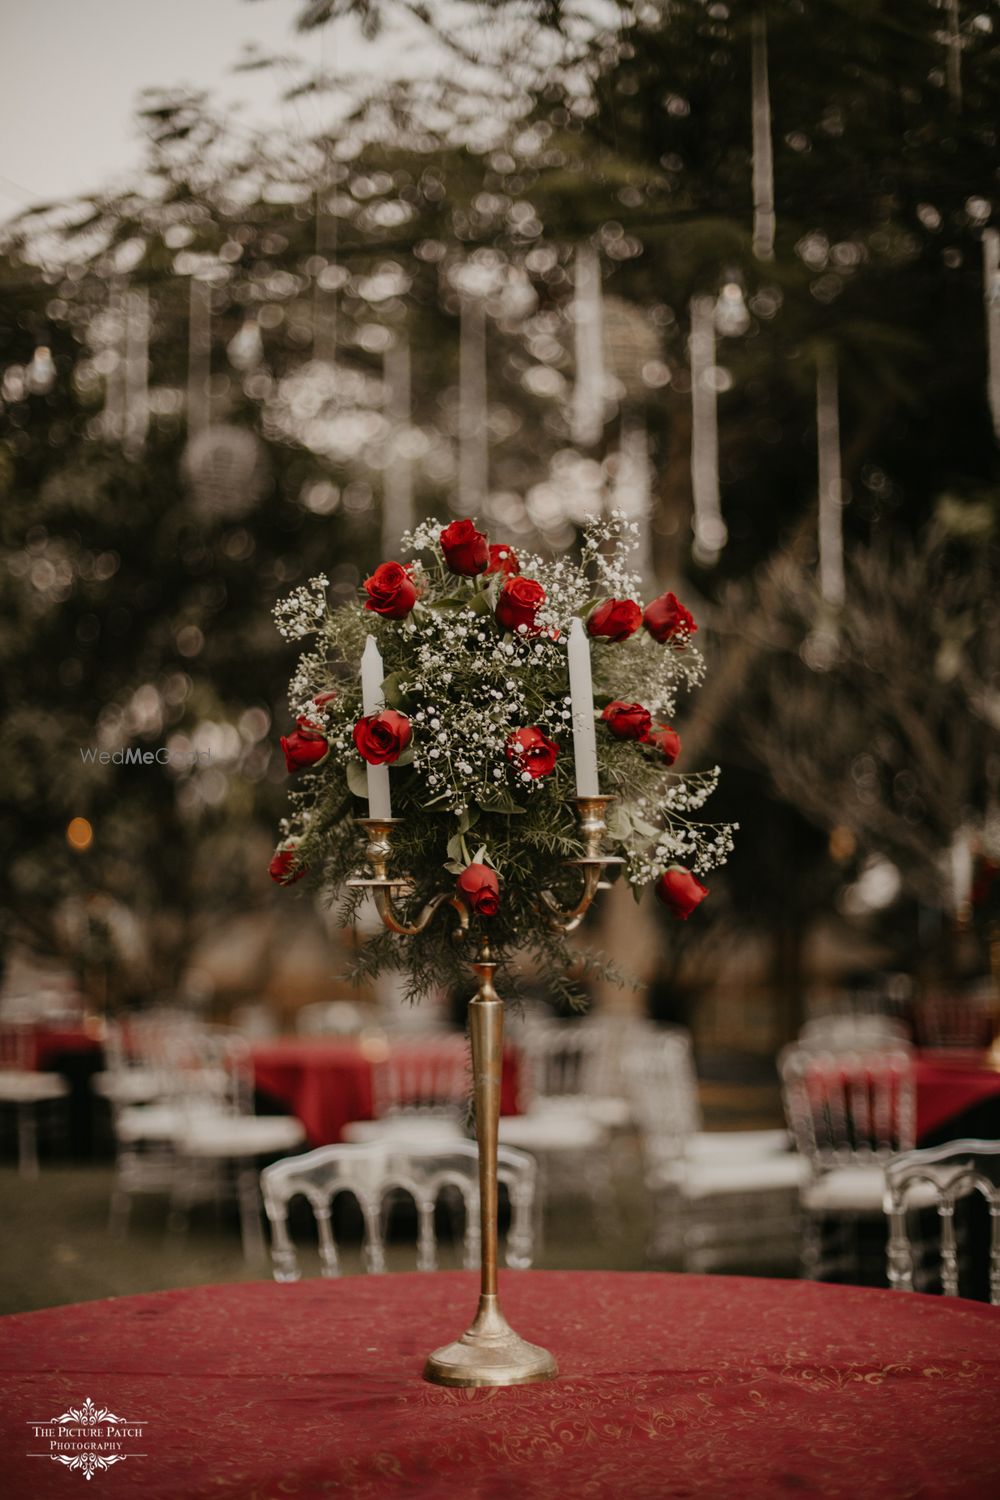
<point x="489" y="1352"/>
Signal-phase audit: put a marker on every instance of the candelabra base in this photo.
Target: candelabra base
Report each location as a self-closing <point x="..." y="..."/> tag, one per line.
<point x="490" y="1353"/>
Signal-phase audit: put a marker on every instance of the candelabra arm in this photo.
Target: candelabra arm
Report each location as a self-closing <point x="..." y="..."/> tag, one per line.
<point x="385" y="887"/>
<point x="592" y="815"/>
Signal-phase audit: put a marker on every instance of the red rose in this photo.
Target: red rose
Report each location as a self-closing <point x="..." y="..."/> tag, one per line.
<point x="667" y="740"/>
<point x="627" y="721"/>
<point x="322" y="699"/>
<point x="666" y="617"/>
<point x="530" y="751"/>
<point x="503" y="559"/>
<point x="680" y="892"/>
<point x="466" y="550"/>
<point x="481" y="889"/>
<point x="391" y="591"/>
<point x="306" y="746"/>
<point x="615" y="619"/>
<point x="520" y="600"/>
<point x="381" y="738"/>
<point x="282" y="867"/>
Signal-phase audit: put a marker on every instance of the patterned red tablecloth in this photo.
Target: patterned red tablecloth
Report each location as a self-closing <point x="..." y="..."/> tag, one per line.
<point x="948" y="1084"/>
<point x="670" y="1386"/>
<point x="326" y="1083"/>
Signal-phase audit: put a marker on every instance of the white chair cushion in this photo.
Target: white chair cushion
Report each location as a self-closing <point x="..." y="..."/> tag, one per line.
<point x="546" y="1131"/>
<point x="22" y="1087"/>
<point x="149" y="1122"/>
<point x="858" y="1190"/>
<point x="240" y="1135"/>
<point x="612" y="1113"/>
<point x="128" y="1085"/>
<point x="707" y="1179"/>
<point x="405" y="1130"/>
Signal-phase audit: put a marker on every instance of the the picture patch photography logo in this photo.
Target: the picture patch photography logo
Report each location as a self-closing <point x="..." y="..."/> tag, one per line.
<point x="87" y="1438"/>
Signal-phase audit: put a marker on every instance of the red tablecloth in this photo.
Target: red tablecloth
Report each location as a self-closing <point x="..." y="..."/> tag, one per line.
<point x="326" y="1083"/>
<point x="670" y="1386"/>
<point x="949" y="1085"/>
<point x="49" y="1043"/>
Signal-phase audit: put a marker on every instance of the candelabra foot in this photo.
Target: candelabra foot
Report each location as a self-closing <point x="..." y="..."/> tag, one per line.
<point x="490" y="1353"/>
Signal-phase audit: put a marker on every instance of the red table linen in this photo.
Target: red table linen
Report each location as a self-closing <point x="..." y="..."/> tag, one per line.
<point x="327" y="1083"/>
<point x="670" y="1386"/>
<point x="947" y="1086"/>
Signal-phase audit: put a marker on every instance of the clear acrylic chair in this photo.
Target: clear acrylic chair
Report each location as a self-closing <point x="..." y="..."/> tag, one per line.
<point x="849" y="1032"/>
<point x="370" y="1173"/>
<point x="941" y="1176"/>
<point x="849" y="1113"/>
<point x="962" y="1022"/>
<point x="330" y="1018"/>
<point x="420" y="1092"/>
<point x="717" y="1197"/>
<point x="25" y="1090"/>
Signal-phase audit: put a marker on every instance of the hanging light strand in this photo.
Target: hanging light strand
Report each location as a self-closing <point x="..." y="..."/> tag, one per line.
<point x="587" y="423"/>
<point x="709" y="528"/>
<point x="764" y="222"/>
<point x="136" y="383"/>
<point x="991" y="297"/>
<point x="199" y="356"/>
<point x="831" y="519"/>
<point x="473" y="453"/>
<point x="397" y="488"/>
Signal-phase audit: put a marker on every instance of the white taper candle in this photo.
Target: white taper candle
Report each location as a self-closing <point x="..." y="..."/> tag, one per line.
<point x="373" y="700"/>
<point x="581" y="691"/>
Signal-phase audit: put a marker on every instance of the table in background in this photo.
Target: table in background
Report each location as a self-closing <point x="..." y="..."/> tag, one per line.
<point x="958" y="1094"/>
<point x="327" y="1082"/>
<point x="670" y="1386"/>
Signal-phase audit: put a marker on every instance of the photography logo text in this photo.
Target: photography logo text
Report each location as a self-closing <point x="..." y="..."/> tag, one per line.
<point x="87" y="1438"/>
<point x="134" y="756"/>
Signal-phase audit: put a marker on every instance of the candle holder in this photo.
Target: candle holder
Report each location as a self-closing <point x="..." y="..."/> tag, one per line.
<point x="489" y="1352"/>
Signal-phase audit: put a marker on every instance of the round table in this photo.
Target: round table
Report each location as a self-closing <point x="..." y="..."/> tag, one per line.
<point x="670" y="1386"/>
<point x="950" y="1085"/>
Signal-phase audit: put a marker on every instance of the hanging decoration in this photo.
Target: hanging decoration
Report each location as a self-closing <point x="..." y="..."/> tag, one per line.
<point x="831" y="537"/>
<point x="40" y="375"/>
<point x="587" y="421"/>
<point x="631" y="491"/>
<point x="763" y="150"/>
<point x="226" y="470"/>
<point x="710" y="534"/>
<point x="135" y="425"/>
<point x="397" y="490"/>
<point x="324" y="304"/>
<point x="953" y="66"/>
<point x="199" y="397"/>
<point x="991" y="296"/>
<point x="473" y="436"/>
<point x="246" y="347"/>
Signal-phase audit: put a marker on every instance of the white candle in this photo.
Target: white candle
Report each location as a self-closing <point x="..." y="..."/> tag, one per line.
<point x="581" y="691"/>
<point x="372" y="677"/>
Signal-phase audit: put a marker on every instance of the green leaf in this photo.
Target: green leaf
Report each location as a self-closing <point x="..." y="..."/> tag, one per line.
<point x="619" y="823"/>
<point x="499" y="801"/>
<point x="357" y="778"/>
<point x="454" y="850"/>
<point x="405" y="757"/>
<point x="390" y="691"/>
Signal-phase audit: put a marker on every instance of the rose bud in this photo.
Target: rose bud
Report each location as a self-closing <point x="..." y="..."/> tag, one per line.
<point x="627" y="721"/>
<point x="520" y="600"/>
<point x="322" y="699"/>
<point x="667" y="740"/>
<point x="466" y="550"/>
<point x="503" y="559"/>
<point x="680" y="892"/>
<point x="306" y="746"/>
<point x="381" y="738"/>
<point x="391" y="591"/>
<point x="282" y="867"/>
<point x="615" y="619"/>
<point x="480" y="888"/>
<point x="531" y="752"/>
<point x="666" y="618"/>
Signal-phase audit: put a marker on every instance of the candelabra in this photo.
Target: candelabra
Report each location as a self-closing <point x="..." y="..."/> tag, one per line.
<point x="489" y="1352"/>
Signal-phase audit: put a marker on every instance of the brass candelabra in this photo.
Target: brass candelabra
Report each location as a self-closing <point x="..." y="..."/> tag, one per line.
<point x="489" y="1352"/>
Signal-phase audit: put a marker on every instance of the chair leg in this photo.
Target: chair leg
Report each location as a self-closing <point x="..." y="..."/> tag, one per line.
<point x="248" y="1198"/>
<point x="812" y="1247"/>
<point x="27" y="1141"/>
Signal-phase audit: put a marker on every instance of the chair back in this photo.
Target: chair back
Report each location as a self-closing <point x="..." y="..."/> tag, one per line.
<point x="951" y="1172"/>
<point x="427" y="1078"/>
<point x="663" y="1091"/>
<point x="17" y="1046"/>
<point x="330" y="1018"/>
<point x="370" y="1172"/>
<point x="853" y="1108"/>
<point x="965" y="1022"/>
<point x="848" y="1032"/>
<point x="574" y="1059"/>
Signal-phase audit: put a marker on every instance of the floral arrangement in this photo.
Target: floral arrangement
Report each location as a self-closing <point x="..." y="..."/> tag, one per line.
<point x="477" y="730"/>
